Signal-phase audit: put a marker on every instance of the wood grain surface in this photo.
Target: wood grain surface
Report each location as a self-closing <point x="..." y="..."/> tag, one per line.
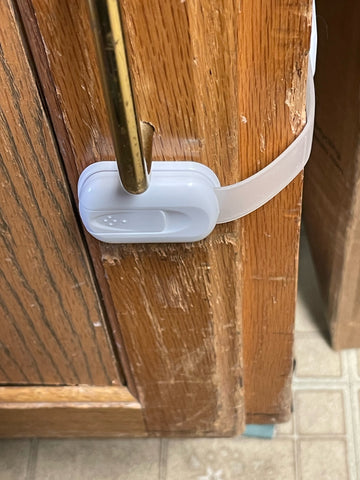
<point x="273" y="63"/>
<point x="223" y="84"/>
<point x="52" y="325"/>
<point x="231" y="94"/>
<point x="182" y="332"/>
<point x="65" y="138"/>
<point x="79" y="411"/>
<point x="332" y="193"/>
<point x="188" y="378"/>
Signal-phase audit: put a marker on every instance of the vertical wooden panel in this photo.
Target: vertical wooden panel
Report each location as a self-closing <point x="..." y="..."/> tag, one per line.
<point x="184" y="63"/>
<point x="194" y="292"/>
<point x="183" y="337"/>
<point x="182" y="332"/>
<point x="52" y="325"/>
<point x="332" y="195"/>
<point x="273" y="62"/>
<point x="270" y="42"/>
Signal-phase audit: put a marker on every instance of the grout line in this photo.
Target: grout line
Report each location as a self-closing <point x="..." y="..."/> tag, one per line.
<point x="322" y="379"/>
<point x="319" y="384"/>
<point x="32" y="460"/>
<point x="163" y="459"/>
<point x="354" y="406"/>
<point x="356" y="426"/>
<point x="314" y="436"/>
<point x="298" y="469"/>
<point x="349" y="419"/>
<point x="298" y="474"/>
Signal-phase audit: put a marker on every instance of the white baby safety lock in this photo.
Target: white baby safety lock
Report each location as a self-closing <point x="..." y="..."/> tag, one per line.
<point x="185" y="200"/>
<point x="180" y="204"/>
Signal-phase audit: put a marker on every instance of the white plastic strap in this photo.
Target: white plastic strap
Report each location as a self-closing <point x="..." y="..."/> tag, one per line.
<point x="236" y="201"/>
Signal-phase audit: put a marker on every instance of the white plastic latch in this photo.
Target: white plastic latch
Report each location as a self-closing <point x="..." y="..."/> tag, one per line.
<point x="185" y="200"/>
<point x="180" y="204"/>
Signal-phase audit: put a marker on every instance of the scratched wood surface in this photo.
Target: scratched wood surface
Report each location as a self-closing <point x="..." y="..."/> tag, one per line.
<point x="331" y="190"/>
<point x="224" y="85"/>
<point x="178" y="316"/>
<point x="52" y="325"/>
<point x="273" y="63"/>
<point x="81" y="411"/>
<point x="235" y="115"/>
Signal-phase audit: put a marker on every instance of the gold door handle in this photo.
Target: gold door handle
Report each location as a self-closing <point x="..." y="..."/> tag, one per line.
<point x="132" y="141"/>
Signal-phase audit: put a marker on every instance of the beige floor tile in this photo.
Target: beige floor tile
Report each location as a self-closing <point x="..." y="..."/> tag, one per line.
<point x="285" y="428"/>
<point x="230" y="459"/>
<point x="323" y="460"/>
<point x="358" y="361"/>
<point x="319" y="412"/>
<point x="314" y="357"/>
<point x="14" y="458"/>
<point x="133" y="459"/>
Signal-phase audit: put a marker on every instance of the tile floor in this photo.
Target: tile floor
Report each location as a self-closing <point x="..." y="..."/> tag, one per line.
<point x="321" y="442"/>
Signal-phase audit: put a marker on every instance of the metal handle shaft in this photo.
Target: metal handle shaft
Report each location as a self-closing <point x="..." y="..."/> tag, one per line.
<point x="111" y="50"/>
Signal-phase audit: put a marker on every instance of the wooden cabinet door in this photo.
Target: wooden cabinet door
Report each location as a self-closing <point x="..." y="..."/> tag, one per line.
<point x="332" y="195"/>
<point x="59" y="374"/>
<point x="197" y="326"/>
<point x="53" y="330"/>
